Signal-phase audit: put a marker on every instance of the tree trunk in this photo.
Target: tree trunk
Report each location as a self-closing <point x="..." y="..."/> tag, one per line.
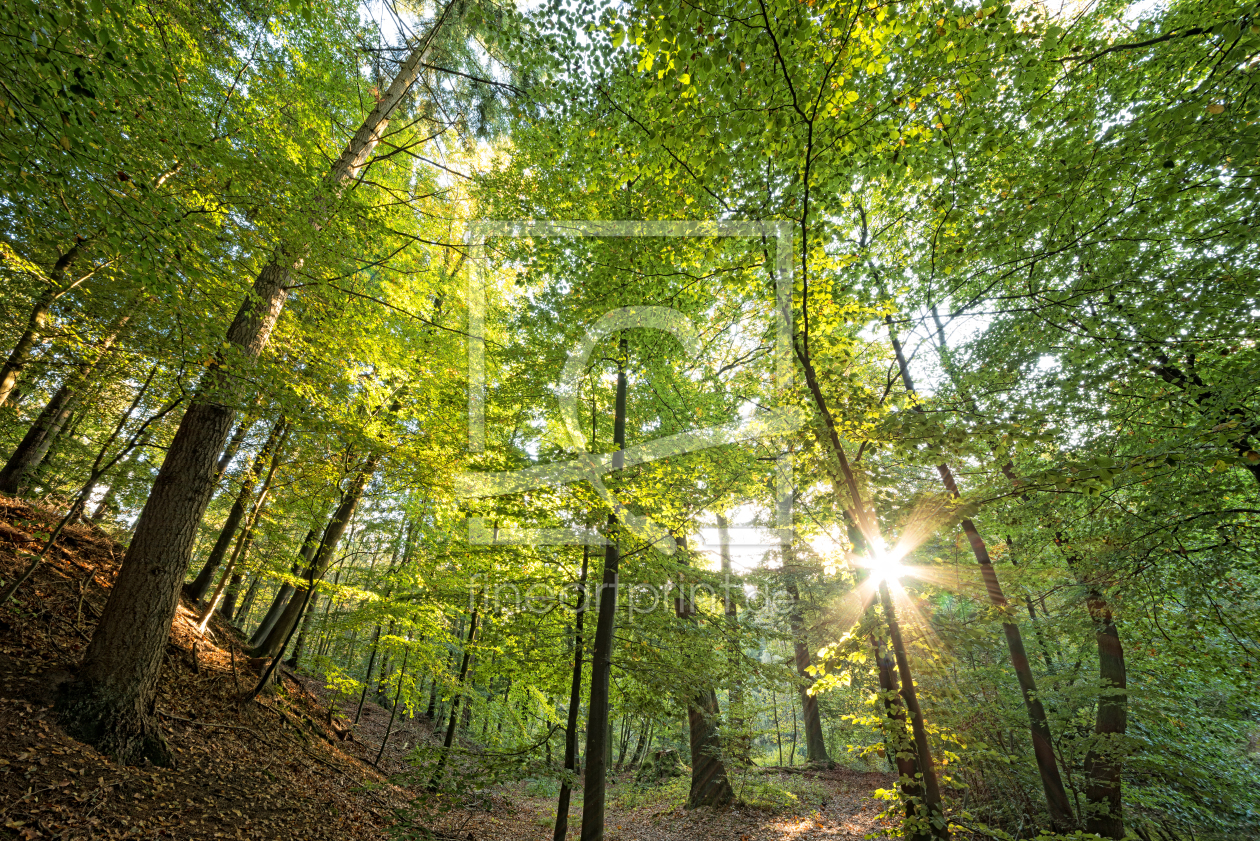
<point x="1059" y="805"/>
<point x="34" y="447"/>
<point x="593" y="791"/>
<point x="436" y="781"/>
<point x="196" y="590"/>
<point x="110" y="703"/>
<point x="232" y="448"/>
<point x="1103" y="763"/>
<point x="35" y="324"/>
<point x="289" y="619"/>
<point x="281" y="600"/>
<point x="933" y="818"/>
<point x="898" y="742"/>
<point x="247" y="603"/>
<point x="709" y="783"/>
<point x="815" y="743"/>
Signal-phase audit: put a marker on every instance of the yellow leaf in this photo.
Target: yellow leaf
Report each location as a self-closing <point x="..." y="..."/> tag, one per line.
<point x="65" y="143"/>
<point x="1216" y="108"/>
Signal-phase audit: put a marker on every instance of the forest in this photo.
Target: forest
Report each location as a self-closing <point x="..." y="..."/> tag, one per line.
<point x="759" y="420"/>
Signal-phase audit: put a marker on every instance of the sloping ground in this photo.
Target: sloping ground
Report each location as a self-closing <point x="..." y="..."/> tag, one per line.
<point x="274" y="768"/>
<point x="265" y="769"/>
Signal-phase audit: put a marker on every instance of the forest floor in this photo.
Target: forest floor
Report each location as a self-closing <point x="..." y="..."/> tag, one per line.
<point x="276" y="768"/>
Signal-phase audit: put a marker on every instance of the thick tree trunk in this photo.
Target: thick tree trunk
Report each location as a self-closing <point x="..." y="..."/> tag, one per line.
<point x="35" y="324"/>
<point x="197" y="589"/>
<point x="709" y="783"/>
<point x="595" y="780"/>
<point x="109" y="704"/>
<point x="561" y="830"/>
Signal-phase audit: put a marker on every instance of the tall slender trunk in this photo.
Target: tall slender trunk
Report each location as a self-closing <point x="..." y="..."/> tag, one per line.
<point x="294" y="610"/>
<point x="196" y="590"/>
<point x="232" y="448"/>
<point x="397" y="695"/>
<point x="35" y="324"/>
<point x="593" y="791"/>
<point x="99" y="467"/>
<point x="436" y="781"/>
<point x="1060" y="807"/>
<point x="862" y="518"/>
<point x="110" y="703"/>
<point x="281" y="599"/>
<point x="561" y="830"/>
<point x="31" y="452"/>
<point x="740" y="743"/>
<point x="933" y="817"/>
<point x="251" y="593"/>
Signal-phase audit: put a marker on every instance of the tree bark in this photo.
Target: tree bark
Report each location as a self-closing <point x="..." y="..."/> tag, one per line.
<point x="1060" y="807"/>
<point x="323" y="558"/>
<point x="898" y="742"/>
<point x="709" y="783"/>
<point x="110" y="703"/>
<point x="815" y="742"/>
<point x="593" y="791"/>
<point x="561" y="830"/>
<point x="1104" y="762"/>
<point x="278" y="603"/>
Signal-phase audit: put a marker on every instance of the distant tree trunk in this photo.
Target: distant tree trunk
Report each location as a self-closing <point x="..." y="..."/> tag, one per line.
<point x="397" y="695"/>
<point x="436" y="781"/>
<point x="815" y="743"/>
<point x="709" y="783"/>
<point x="593" y="791"/>
<point x="281" y="599"/>
<point x="35" y="324"/>
<point x="99" y="469"/>
<point x="1103" y="763"/>
<point x="232" y="448"/>
<point x="247" y="603"/>
<point x="740" y="742"/>
<point x="323" y="558"/>
<point x="200" y="585"/>
<point x="110" y="703"/>
<point x="41" y="435"/>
